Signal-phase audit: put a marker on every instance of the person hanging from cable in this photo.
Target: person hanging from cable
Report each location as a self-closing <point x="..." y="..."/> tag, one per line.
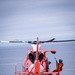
<point x="59" y="65"/>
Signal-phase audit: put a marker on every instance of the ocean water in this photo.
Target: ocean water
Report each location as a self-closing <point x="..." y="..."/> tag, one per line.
<point x="12" y="55"/>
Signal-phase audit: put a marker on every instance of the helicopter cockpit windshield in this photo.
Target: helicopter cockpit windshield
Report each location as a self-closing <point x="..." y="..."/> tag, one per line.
<point x="32" y="56"/>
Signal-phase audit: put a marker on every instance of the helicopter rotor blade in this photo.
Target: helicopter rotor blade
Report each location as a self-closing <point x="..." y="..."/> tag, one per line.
<point x="64" y="40"/>
<point x="40" y="42"/>
<point x="47" y="41"/>
<point x="4" y="41"/>
<point x="30" y="42"/>
<point x="16" y="42"/>
<point x="11" y="42"/>
<point x="34" y="42"/>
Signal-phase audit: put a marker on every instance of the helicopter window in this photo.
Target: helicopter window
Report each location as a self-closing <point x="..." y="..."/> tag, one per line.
<point x="30" y="56"/>
<point x="33" y="57"/>
<point x="41" y="57"/>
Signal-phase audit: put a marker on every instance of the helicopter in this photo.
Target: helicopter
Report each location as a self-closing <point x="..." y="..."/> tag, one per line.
<point x="36" y="62"/>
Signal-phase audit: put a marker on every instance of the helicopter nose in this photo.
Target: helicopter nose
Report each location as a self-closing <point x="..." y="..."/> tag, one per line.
<point x="32" y="68"/>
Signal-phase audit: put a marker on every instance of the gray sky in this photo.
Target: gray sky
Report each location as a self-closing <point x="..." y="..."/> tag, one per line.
<point x="28" y="19"/>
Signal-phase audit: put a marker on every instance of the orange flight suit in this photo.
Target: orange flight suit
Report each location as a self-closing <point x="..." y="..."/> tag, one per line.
<point x="60" y="65"/>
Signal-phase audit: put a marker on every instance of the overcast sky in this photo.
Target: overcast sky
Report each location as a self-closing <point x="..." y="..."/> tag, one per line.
<point x="28" y="19"/>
